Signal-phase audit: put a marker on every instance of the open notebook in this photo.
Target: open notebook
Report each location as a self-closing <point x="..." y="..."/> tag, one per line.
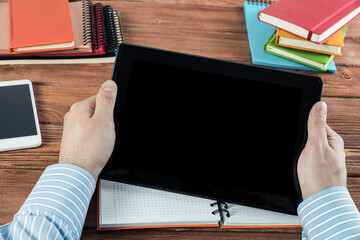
<point x="125" y="206"/>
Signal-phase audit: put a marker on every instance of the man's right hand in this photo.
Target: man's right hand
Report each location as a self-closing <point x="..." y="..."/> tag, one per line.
<point x="89" y="133"/>
<point x="322" y="162"/>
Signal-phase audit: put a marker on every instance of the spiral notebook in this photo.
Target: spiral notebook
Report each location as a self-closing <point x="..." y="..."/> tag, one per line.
<point x="125" y="206"/>
<point x="258" y="35"/>
<point x="97" y="31"/>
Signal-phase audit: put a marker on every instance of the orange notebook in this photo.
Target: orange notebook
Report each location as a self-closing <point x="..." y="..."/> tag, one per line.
<point x="125" y="206"/>
<point x="40" y="25"/>
<point x="332" y="46"/>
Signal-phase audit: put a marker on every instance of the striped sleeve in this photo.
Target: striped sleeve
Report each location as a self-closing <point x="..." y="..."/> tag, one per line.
<point x="57" y="206"/>
<point x="330" y="214"/>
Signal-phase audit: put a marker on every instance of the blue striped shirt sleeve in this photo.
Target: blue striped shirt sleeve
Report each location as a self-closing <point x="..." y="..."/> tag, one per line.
<point x="330" y="214"/>
<point x="57" y="206"/>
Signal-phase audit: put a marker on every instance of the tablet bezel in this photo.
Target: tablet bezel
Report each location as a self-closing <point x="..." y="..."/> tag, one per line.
<point x="312" y="86"/>
<point x="24" y="141"/>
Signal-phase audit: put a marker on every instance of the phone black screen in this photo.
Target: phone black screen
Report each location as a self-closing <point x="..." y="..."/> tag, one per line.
<point x="16" y="112"/>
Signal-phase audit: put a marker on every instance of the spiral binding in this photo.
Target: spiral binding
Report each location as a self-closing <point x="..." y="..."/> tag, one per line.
<point x="87" y="24"/>
<point x="111" y="36"/>
<point x="259" y="2"/>
<point x="222" y="208"/>
<point x="101" y="26"/>
<point x="98" y="26"/>
<point x="118" y="27"/>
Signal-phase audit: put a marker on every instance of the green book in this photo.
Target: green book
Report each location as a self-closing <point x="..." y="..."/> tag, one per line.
<point x="312" y="59"/>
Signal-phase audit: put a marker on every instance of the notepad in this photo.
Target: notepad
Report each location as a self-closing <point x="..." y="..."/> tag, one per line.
<point x="97" y="31"/>
<point x="259" y="33"/>
<point x="331" y="46"/>
<point x="313" y="59"/>
<point x="40" y="25"/>
<point x="316" y="20"/>
<point x="125" y="206"/>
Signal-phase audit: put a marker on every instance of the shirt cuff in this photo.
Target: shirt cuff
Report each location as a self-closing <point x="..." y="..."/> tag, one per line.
<point x="63" y="190"/>
<point x="330" y="213"/>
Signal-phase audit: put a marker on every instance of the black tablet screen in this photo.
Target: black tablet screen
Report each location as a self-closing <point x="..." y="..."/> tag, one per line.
<point x="207" y="130"/>
<point x="16" y="112"/>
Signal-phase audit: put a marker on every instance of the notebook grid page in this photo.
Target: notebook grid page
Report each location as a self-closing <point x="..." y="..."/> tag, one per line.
<point x="120" y="200"/>
<point x="243" y="210"/>
<point x="243" y="215"/>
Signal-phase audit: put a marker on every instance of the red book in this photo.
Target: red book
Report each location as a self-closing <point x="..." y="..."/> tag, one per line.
<point x="315" y="20"/>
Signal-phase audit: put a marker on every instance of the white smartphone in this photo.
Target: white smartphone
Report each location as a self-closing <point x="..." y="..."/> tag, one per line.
<point x="19" y="124"/>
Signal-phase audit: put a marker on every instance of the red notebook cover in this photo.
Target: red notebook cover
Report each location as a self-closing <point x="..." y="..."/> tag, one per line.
<point x="319" y="19"/>
<point x="40" y="23"/>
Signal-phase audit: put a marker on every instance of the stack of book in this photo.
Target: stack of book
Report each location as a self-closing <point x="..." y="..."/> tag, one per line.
<point x="41" y="31"/>
<point x="309" y="32"/>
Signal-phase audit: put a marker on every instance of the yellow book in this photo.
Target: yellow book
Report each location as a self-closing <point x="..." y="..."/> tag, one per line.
<point x="331" y="46"/>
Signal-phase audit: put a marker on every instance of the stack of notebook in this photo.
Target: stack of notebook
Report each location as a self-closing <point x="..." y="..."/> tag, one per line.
<point x="307" y="33"/>
<point x="41" y="31"/>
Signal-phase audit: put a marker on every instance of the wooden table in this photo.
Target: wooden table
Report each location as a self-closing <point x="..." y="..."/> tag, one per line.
<point x="212" y="28"/>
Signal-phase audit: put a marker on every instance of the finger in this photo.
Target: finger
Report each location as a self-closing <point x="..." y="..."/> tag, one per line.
<point x="105" y="100"/>
<point x="91" y="105"/>
<point x="334" y="139"/>
<point x="84" y="108"/>
<point x="317" y="123"/>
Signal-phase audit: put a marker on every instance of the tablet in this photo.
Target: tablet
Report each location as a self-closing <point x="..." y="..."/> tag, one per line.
<point x="19" y="125"/>
<point x="205" y="127"/>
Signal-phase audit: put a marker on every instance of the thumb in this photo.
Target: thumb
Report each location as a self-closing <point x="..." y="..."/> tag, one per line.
<point x="317" y="123"/>
<point x="105" y="99"/>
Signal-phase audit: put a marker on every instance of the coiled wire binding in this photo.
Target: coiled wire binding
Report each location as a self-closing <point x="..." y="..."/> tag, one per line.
<point x="87" y="15"/>
<point x="101" y="26"/>
<point x="222" y="208"/>
<point x="98" y="26"/>
<point x="257" y="2"/>
<point x="118" y="27"/>
<point x="111" y="36"/>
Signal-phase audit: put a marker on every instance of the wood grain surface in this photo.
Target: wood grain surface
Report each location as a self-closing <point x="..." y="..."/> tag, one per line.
<point x="212" y="28"/>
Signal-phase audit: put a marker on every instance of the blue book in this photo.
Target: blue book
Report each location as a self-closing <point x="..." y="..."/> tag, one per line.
<point x="259" y="33"/>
